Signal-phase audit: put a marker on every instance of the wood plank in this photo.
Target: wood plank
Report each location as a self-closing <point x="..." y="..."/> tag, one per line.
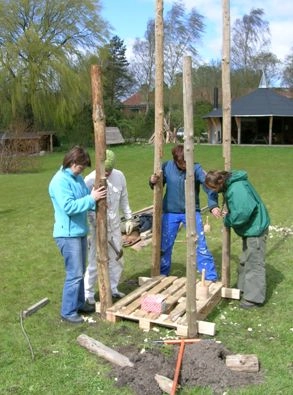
<point x="243" y="363"/>
<point x="230" y="293"/>
<point x="32" y="309"/>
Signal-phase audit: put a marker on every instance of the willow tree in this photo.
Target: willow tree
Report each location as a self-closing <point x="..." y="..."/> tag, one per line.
<point x="41" y="41"/>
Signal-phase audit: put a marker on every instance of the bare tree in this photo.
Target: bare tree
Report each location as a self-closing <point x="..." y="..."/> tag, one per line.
<point x="288" y="70"/>
<point x="250" y="37"/>
<point x="143" y="61"/>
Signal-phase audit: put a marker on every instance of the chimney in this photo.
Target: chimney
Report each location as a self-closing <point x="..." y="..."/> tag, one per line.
<point x="216" y="98"/>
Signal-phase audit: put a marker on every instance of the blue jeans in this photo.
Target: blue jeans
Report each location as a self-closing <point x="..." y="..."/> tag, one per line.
<point x="204" y="258"/>
<point x="73" y="250"/>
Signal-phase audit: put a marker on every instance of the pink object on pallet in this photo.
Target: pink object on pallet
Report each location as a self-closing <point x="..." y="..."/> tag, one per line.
<point x="153" y="303"/>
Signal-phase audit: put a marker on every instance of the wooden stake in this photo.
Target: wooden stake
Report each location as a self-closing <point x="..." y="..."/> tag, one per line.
<point x="191" y="236"/>
<point x="159" y="126"/>
<point x="226" y="93"/>
<point x="101" y="207"/>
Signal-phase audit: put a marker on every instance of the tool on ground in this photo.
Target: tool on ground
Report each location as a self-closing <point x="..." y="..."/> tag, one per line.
<point x="119" y="253"/>
<point x="202" y="290"/>
<point x="178" y="367"/>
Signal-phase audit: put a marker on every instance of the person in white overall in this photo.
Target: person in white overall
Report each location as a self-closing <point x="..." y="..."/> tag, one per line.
<point x="117" y="201"/>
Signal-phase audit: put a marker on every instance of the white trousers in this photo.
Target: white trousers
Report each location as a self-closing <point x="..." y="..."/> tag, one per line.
<point x="115" y="267"/>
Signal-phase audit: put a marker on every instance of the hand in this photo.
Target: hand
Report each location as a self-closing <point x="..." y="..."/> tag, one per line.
<point x="216" y="212"/>
<point x="154" y="179"/>
<point x="129" y="226"/>
<point x="99" y="193"/>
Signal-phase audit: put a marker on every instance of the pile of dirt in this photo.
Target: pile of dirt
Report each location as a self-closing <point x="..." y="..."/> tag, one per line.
<point x="203" y="365"/>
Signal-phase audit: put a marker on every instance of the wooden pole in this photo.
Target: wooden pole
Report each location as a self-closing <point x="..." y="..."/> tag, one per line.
<point x="158" y="146"/>
<point x="226" y="88"/>
<point x="191" y="237"/>
<point x="101" y="206"/>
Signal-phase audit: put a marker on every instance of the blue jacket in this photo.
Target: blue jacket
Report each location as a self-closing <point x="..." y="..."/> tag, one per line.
<point x="174" y="178"/>
<point x="71" y="200"/>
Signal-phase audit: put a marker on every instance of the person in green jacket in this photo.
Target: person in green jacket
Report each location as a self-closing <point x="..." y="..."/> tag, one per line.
<point x="249" y="218"/>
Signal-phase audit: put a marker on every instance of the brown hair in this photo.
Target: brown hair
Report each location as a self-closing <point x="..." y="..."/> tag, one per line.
<point x="178" y="155"/>
<point x="78" y="156"/>
<point x="215" y="179"/>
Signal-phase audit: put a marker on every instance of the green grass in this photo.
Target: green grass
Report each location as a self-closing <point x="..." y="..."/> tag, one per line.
<point x="31" y="269"/>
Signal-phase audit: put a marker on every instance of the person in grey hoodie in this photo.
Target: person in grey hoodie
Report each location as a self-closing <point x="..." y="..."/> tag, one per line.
<point x="249" y="218"/>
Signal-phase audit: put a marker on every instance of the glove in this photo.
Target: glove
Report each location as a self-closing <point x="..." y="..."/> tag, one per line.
<point x="129" y="226"/>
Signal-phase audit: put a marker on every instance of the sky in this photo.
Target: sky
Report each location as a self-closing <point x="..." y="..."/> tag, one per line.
<point x="129" y="18"/>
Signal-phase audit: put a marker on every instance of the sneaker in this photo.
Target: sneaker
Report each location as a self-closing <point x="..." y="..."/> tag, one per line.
<point x="75" y="319"/>
<point x="246" y="304"/>
<point x="118" y="295"/>
<point x="87" y="308"/>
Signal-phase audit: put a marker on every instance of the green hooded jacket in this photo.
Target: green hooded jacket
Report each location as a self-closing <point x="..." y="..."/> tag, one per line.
<point x="247" y="214"/>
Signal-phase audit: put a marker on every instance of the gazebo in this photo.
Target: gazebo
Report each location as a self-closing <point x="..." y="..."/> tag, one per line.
<point x="260" y="117"/>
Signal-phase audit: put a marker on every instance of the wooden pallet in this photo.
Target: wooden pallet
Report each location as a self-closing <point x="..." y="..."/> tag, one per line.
<point x="174" y="290"/>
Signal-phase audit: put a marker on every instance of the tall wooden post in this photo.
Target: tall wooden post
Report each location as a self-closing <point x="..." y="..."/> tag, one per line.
<point x="158" y="147"/>
<point x="101" y="207"/>
<point x="226" y="91"/>
<point x="191" y="236"/>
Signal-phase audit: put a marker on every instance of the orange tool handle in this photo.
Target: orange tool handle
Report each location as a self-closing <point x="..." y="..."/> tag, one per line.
<point x="178" y="341"/>
<point x="178" y="366"/>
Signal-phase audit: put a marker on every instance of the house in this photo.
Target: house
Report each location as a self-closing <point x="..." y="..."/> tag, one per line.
<point x="260" y="117"/>
<point x="135" y="104"/>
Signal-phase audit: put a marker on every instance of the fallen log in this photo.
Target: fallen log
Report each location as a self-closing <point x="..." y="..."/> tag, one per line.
<point x="101" y="350"/>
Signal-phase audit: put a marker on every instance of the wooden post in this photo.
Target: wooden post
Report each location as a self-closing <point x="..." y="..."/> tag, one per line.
<point x="158" y="146"/>
<point x="101" y="206"/>
<point x="191" y="237"/>
<point x="226" y="131"/>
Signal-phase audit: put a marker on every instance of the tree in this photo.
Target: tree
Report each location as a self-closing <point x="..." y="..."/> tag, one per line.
<point x="143" y="62"/>
<point x="250" y="36"/>
<point x="250" y="50"/>
<point x="41" y="41"/>
<point x="117" y="78"/>
<point x="182" y="32"/>
<point x="288" y="70"/>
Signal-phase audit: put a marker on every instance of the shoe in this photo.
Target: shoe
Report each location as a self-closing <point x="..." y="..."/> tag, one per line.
<point x="118" y="295"/>
<point x="245" y="304"/>
<point x="87" y="308"/>
<point x="75" y="319"/>
<point x="90" y="301"/>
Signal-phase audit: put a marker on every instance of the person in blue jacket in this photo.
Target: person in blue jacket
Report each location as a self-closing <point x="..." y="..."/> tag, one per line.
<point x="248" y="216"/>
<point x="174" y="176"/>
<point x="71" y="201"/>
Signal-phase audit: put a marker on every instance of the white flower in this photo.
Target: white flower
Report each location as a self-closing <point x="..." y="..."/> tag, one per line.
<point x="249" y="329"/>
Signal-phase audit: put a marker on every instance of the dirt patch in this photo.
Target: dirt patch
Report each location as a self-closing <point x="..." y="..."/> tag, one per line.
<point x="203" y="365"/>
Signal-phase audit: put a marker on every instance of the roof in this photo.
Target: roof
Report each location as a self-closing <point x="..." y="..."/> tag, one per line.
<point x="135" y="100"/>
<point x="114" y="136"/>
<point x="259" y="103"/>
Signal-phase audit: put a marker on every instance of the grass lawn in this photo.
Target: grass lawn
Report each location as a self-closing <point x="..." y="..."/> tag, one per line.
<point x="32" y="269"/>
